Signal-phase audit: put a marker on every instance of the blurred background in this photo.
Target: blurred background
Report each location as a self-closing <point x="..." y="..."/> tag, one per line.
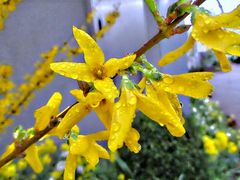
<point x="37" y="26"/>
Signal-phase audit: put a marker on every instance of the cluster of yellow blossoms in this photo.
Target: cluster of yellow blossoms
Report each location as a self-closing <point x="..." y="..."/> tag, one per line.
<point x="221" y="142"/>
<point x="11" y="102"/>
<point x="216" y="32"/>
<point x="155" y="95"/>
<point x="110" y="20"/>
<point x="5" y="86"/>
<point x="6" y="7"/>
<point x="5" y="83"/>
<point x="35" y="156"/>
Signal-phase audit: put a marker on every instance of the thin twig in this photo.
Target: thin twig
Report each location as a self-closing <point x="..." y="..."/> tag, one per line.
<point x="27" y="143"/>
<point x="164" y="33"/>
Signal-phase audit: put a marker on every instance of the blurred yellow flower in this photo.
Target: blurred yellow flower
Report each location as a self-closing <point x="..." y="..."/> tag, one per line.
<point x="33" y="159"/>
<point x="210" y="146"/>
<point x="221" y="140"/>
<point x="21" y="164"/>
<point x="232" y="147"/>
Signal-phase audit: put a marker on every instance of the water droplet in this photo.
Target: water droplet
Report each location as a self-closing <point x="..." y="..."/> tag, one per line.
<point x="166" y="88"/>
<point x="116" y="126"/>
<point x="74" y="76"/>
<point x="168" y="79"/>
<point x="113" y="137"/>
<point x="194" y="35"/>
<point x="207" y="21"/>
<point x="205" y="30"/>
<point x="126" y="64"/>
<point x="118" y="105"/>
<point x="132" y="100"/>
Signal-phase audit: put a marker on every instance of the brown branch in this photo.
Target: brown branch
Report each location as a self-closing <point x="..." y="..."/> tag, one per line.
<point x="55" y="121"/>
<point x="28" y="142"/>
<point x="164" y="33"/>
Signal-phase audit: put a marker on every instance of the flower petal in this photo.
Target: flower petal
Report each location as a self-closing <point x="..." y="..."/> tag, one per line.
<point x="102" y="152"/>
<point x="92" y="156"/>
<point x="114" y="65"/>
<point x="221" y="40"/>
<point x="187" y="84"/>
<point x="175" y="54"/>
<point x="93" y="54"/>
<point x="32" y="158"/>
<point x="228" y="20"/>
<point x="93" y="98"/>
<point x="70" y="167"/>
<point x="44" y="114"/>
<point x="152" y="108"/>
<point x="78" y="71"/>
<point x="223" y="60"/>
<point x="104" y="112"/>
<point x="176" y="105"/>
<point x="122" y="118"/>
<point x="132" y="139"/>
<point x="107" y="88"/>
<point x="73" y="116"/>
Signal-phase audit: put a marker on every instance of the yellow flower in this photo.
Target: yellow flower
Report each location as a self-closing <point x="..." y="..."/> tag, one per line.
<point x="44" y="114"/>
<point x="72" y="117"/>
<point x="56" y="174"/>
<point x="9" y="149"/>
<point x="64" y="146"/>
<point x="87" y="147"/>
<point x="46" y="159"/>
<point x="210" y="146"/>
<point x="33" y="159"/>
<point x="195" y="84"/>
<point x="121" y="176"/>
<point x="5" y="70"/>
<point x="132" y="139"/>
<point x="210" y="30"/>
<point x="232" y="147"/>
<point x="70" y="167"/>
<point x="94" y="70"/>
<point x="21" y="164"/>
<point x="221" y="140"/>
<point x="156" y="110"/>
<point x="8" y="171"/>
<point x="122" y="118"/>
<point x="96" y="101"/>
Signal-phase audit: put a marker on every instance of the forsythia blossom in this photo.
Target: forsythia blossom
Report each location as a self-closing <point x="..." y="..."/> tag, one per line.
<point x="211" y="31"/>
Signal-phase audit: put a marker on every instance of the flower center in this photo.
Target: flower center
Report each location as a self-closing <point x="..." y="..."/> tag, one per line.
<point x="99" y="72"/>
